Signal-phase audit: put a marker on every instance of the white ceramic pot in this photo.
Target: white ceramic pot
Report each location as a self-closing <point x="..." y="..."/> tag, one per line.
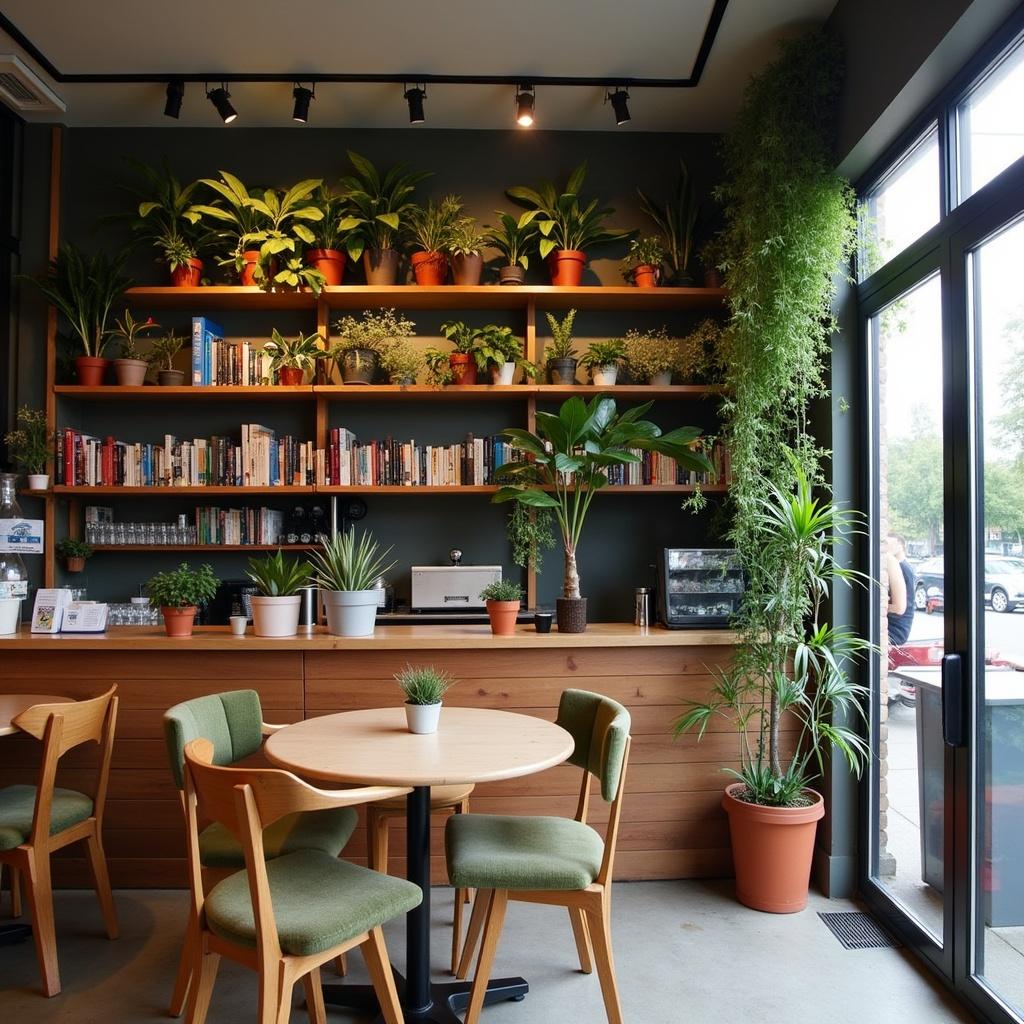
<point x="661" y="380"/>
<point x="423" y="718"/>
<point x="275" y="616"/>
<point x="38" y="481"/>
<point x="605" y="376"/>
<point x="503" y="375"/>
<point x="10" y="615"/>
<point x="351" y="612"/>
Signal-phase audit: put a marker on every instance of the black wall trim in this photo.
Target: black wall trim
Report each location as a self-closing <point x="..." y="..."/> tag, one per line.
<point x="692" y="80"/>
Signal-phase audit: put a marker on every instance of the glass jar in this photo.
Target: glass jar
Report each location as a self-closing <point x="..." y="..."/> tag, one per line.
<point x="13" y="575"/>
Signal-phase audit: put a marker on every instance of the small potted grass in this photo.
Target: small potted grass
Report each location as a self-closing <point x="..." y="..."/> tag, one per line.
<point x="275" y="609"/>
<point x="503" y="598"/>
<point x="179" y="592"/>
<point x="424" y="687"/>
<point x="602" y="359"/>
<point x="345" y="572"/>
<point x="74" y="552"/>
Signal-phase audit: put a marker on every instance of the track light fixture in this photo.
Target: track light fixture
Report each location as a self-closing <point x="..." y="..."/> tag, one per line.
<point x="175" y="94"/>
<point x="525" y="102"/>
<point x="221" y="100"/>
<point x="618" y="101"/>
<point x="415" y="97"/>
<point x="302" y="97"/>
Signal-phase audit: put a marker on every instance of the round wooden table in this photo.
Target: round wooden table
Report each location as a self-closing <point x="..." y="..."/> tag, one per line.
<point x="376" y="748"/>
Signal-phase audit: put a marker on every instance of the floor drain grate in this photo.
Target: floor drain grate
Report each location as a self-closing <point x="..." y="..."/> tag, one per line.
<point x="857" y="931"/>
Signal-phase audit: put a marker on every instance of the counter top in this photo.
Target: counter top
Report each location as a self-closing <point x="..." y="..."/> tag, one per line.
<point x="431" y="638"/>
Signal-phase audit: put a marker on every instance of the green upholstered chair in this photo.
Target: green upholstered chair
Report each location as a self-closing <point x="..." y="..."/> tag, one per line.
<point x="286" y="916"/>
<point x="560" y="861"/>
<point x="233" y="723"/>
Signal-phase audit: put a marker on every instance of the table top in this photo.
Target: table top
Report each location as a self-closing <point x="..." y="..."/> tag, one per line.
<point x="375" y="747"/>
<point x="12" y="705"/>
<point x="1002" y="685"/>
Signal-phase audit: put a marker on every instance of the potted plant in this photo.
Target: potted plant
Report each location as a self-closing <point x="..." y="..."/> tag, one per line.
<point x="179" y="593"/>
<point x="401" y="361"/>
<point x="363" y="340"/>
<point x="83" y="288"/>
<point x="461" y="362"/>
<point x="465" y="247"/>
<point x="560" y="355"/>
<point x="292" y="357"/>
<point x="499" y="352"/>
<point x="502" y="598"/>
<point x="131" y="367"/>
<point x="712" y="256"/>
<point x="345" y="572"/>
<point x="602" y="359"/>
<point x="31" y="446"/>
<point x="326" y="255"/>
<point x="565" y="466"/>
<point x="793" y="667"/>
<point x="568" y="225"/>
<point x="429" y="228"/>
<point x="424" y="687"/>
<point x="699" y="355"/>
<point x="642" y="265"/>
<point x="162" y="358"/>
<point x="651" y="356"/>
<point x="377" y="206"/>
<point x="513" y="239"/>
<point x="439" y="370"/>
<point x="676" y="221"/>
<point x="275" y="609"/>
<point x="74" y="552"/>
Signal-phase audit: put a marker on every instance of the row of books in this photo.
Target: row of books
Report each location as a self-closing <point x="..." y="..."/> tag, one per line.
<point x="655" y="468"/>
<point x="239" y="525"/>
<point x="220" y="363"/>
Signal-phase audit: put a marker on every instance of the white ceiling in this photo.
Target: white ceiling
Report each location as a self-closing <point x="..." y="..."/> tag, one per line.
<point x="640" y="38"/>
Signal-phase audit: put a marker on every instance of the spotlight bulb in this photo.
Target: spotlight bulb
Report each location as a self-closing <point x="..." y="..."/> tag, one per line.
<point x="175" y="94"/>
<point x="302" y="98"/>
<point x="415" y="97"/>
<point x="221" y="100"/>
<point x="618" y="101"/>
<point x="525" y="101"/>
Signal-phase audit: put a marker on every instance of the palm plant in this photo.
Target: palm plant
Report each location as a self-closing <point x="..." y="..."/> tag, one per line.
<point x="514" y="238"/>
<point x="567" y="463"/>
<point x="347" y="563"/>
<point x="277" y="576"/>
<point x="676" y="220"/>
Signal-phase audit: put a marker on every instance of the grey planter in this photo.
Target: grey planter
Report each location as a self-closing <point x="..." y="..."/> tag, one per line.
<point x="358" y="366"/>
<point x="562" y="371"/>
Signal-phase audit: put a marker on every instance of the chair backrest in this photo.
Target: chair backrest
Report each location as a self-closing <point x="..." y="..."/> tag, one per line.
<point x="600" y="728"/>
<point x="60" y="728"/>
<point x="246" y="801"/>
<point x="231" y="721"/>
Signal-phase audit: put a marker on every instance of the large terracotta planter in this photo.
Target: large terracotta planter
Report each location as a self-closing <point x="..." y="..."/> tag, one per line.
<point x="503" y="616"/>
<point x="646" y="276"/>
<point x="463" y="367"/>
<point x="772" y="850"/>
<point x="381" y="266"/>
<point x="179" y="621"/>
<point x="90" y="370"/>
<point x="566" y="267"/>
<point x="188" y="274"/>
<point x="290" y="376"/>
<point x="251" y="259"/>
<point x="330" y="263"/>
<point x="466" y="269"/>
<point x="429" y="268"/>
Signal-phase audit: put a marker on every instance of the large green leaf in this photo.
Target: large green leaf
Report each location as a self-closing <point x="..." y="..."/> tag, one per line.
<point x="391" y="219"/>
<point x="525" y="440"/>
<point x="573" y="417"/>
<point x="550" y="426"/>
<point x="576" y="179"/>
<point x="568" y="463"/>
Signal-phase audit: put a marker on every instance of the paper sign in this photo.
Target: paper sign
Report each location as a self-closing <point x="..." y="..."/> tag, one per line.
<point x="48" y="612"/>
<point x="24" y="536"/>
<point x="84" y="617"/>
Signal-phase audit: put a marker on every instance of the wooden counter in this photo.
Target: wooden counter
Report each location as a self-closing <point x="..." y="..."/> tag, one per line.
<point x="672" y="826"/>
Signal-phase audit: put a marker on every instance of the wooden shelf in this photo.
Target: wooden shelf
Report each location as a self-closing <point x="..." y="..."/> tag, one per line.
<point x="237" y="297"/>
<point x="170" y="492"/>
<point x="628" y="391"/>
<point x="127" y="548"/>
<point x="424" y="392"/>
<point x="392" y="489"/>
<point x="108" y="393"/>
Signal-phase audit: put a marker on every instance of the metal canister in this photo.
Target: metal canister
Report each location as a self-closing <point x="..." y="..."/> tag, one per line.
<point x="307" y="607"/>
<point x="641" y="616"/>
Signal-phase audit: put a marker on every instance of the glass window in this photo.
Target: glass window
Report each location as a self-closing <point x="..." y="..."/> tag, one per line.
<point x="903" y="205"/>
<point x="990" y="124"/>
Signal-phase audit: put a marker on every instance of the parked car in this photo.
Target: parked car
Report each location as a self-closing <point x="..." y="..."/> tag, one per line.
<point x="1004" y="583"/>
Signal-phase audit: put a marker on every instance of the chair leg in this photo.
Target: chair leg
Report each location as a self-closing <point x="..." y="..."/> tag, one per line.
<point x="599" y="920"/>
<point x="488" y="947"/>
<point x="269" y="993"/>
<point x="184" y="976"/>
<point x="315" y="997"/>
<point x="101" y="883"/>
<point x="377" y="840"/>
<point x="285" y="990"/>
<point x="40" y="902"/>
<point x="375" y="954"/>
<point x="204" y="970"/>
<point x="476" y="924"/>
<point x="15" y="891"/>
<point x="579" y="929"/>
<point x="341" y="964"/>
<point x="461" y="897"/>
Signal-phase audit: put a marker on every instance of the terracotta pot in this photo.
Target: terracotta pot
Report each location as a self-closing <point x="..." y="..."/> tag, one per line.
<point x="503" y="616"/>
<point x="571" y="614"/>
<point x="713" y="278"/>
<point x="429" y="268"/>
<point x="75" y="564"/>
<point x="463" y="367"/>
<point x="251" y="258"/>
<point x="90" y="370"/>
<point x="772" y="850"/>
<point x="179" y="621"/>
<point x="131" y="373"/>
<point x="290" y="376"/>
<point x="566" y="267"/>
<point x="170" y="378"/>
<point x="188" y="274"/>
<point x="330" y="263"/>
<point x="646" y="275"/>
<point x="358" y="366"/>
<point x="562" y="371"/>
<point x="467" y="270"/>
<point x="511" y="275"/>
<point x="381" y="266"/>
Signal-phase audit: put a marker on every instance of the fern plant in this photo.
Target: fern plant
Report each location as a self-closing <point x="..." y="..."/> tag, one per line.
<point x="561" y="337"/>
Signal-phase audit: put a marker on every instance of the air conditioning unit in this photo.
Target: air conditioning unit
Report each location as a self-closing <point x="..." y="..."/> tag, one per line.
<point x="22" y="89"/>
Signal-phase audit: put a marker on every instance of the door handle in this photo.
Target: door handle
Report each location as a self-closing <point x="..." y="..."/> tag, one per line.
<point x="953" y="700"/>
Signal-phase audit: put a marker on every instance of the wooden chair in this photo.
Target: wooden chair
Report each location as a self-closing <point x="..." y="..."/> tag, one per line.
<point x="560" y="861"/>
<point x="36" y="821"/>
<point x="378" y="819"/>
<point x="287" y="916"/>
<point x="233" y="723"/>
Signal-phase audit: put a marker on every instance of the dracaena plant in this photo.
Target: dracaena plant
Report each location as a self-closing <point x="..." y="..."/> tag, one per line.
<point x="676" y="221"/>
<point x="127" y="331"/>
<point x="566" y="463"/>
<point x="349" y="563"/>
<point x="328" y="233"/>
<point x="564" y="218"/>
<point x="277" y="576"/>
<point x="514" y="239"/>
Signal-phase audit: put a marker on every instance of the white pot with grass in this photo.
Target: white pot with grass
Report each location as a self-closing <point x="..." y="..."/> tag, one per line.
<point x="10" y="615"/>
<point x="275" y="609"/>
<point x="345" y="572"/>
<point x="602" y="359"/>
<point x="424" y="687"/>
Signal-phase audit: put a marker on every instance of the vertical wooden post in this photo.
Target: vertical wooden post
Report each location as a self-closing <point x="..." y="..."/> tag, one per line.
<point x="53" y="244"/>
<point x="531" y="425"/>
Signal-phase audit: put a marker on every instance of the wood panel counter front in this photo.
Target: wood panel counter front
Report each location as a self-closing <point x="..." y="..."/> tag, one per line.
<point x="672" y="824"/>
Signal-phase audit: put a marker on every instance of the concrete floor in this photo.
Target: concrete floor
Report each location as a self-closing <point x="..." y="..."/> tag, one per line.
<point x="685" y="951"/>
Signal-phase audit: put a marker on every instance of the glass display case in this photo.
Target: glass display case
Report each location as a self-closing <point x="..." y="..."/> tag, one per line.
<point x="698" y="587"/>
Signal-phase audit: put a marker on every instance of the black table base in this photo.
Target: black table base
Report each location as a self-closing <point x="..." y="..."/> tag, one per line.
<point x="10" y="934"/>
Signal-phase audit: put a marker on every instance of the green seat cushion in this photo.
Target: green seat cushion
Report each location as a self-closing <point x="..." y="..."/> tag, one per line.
<point x="18" y="804"/>
<point x="326" y="831"/>
<point x="489" y="851"/>
<point x="319" y="902"/>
